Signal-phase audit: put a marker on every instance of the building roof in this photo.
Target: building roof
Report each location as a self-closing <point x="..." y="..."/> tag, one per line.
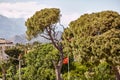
<point x="3" y="41"/>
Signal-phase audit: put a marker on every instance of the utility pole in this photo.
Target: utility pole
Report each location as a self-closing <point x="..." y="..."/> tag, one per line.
<point x="19" y="69"/>
<point x="19" y="66"/>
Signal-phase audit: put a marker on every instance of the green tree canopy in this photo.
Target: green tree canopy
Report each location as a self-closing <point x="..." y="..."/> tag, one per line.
<point x="39" y="64"/>
<point x="41" y="20"/>
<point x="94" y="38"/>
<point x="44" y="23"/>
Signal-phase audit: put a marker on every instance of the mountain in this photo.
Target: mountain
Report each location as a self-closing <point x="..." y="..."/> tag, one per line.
<point x="14" y="29"/>
<point x="11" y="26"/>
<point x="22" y="39"/>
<point x="18" y="39"/>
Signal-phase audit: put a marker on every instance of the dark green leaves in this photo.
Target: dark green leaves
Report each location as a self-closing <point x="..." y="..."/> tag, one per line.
<point x="41" y="20"/>
<point x="95" y="37"/>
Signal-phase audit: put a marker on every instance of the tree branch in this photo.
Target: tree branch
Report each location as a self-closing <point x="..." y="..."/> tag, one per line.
<point x="45" y="37"/>
<point x="51" y="38"/>
<point x="57" y="45"/>
<point x="53" y="30"/>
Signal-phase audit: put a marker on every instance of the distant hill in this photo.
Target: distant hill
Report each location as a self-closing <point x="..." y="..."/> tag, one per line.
<point x="18" y="39"/>
<point x="14" y="29"/>
<point x="22" y="39"/>
<point x="11" y="26"/>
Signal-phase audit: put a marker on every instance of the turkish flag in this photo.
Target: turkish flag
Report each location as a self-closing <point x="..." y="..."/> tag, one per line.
<point x="65" y="60"/>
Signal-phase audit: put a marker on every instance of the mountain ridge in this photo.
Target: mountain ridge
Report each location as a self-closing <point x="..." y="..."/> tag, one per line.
<point x="11" y="26"/>
<point x="21" y="39"/>
<point x="13" y="29"/>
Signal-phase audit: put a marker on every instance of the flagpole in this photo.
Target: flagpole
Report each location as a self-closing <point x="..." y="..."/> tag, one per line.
<point x="68" y="67"/>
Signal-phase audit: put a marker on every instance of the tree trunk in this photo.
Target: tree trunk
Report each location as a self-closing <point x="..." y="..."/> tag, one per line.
<point x="117" y="74"/>
<point x="58" y="73"/>
<point x="58" y="45"/>
<point x="4" y="76"/>
<point x="58" y="67"/>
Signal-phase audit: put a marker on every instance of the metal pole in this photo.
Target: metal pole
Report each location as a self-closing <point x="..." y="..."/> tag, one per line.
<point x="68" y="68"/>
<point x="19" y="69"/>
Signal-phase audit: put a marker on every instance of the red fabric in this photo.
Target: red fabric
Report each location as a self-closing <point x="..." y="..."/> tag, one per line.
<point x="65" y="60"/>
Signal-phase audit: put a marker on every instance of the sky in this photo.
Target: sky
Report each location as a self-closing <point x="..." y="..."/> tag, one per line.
<point x="70" y="9"/>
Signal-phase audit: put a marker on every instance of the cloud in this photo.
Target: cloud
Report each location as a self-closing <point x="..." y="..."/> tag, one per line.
<point x="27" y="9"/>
<point x="20" y="9"/>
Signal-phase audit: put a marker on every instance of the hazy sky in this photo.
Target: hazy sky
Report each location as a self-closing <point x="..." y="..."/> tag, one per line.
<point x="70" y="9"/>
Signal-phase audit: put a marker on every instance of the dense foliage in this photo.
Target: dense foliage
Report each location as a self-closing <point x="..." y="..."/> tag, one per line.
<point x="39" y="63"/>
<point x="41" y="20"/>
<point x="91" y="44"/>
<point x="94" y="39"/>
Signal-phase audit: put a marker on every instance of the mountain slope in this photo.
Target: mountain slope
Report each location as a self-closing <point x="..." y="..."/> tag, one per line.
<point x="11" y="26"/>
<point x="14" y="29"/>
<point x="22" y="39"/>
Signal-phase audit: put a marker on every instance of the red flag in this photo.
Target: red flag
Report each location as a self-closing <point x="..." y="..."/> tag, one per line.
<point x="65" y="60"/>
